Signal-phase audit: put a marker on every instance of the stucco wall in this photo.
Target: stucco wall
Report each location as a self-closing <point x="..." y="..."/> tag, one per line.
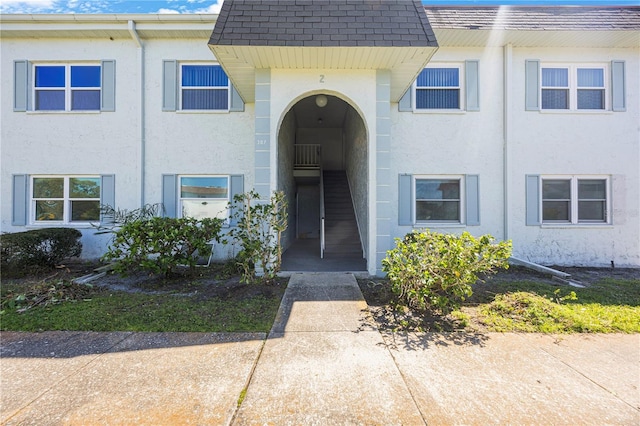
<point x="429" y="143"/>
<point x="356" y="156"/>
<point x="559" y="143"/>
<point x="64" y="143"/>
<point x="578" y="143"/>
<point x="286" y="181"/>
<point x="456" y="143"/>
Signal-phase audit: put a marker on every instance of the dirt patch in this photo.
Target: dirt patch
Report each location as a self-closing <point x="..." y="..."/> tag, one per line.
<point x="207" y="282"/>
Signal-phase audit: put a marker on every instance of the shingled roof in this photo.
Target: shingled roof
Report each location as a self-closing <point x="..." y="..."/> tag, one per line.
<point x="323" y="23"/>
<point x="535" y="18"/>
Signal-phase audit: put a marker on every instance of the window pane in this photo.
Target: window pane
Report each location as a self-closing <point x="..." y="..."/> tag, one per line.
<point x="84" y="100"/>
<point x="438" y="98"/>
<point x="85" y="76"/>
<point x="555" y="77"/>
<point x="590" y="77"/>
<point x="204" y="187"/>
<point x="49" y="209"/>
<point x="592" y="189"/>
<point x="591" y="99"/>
<point x="437" y="189"/>
<point x="205" y="99"/>
<point x="50" y="100"/>
<point x="439" y="77"/>
<point x="202" y="209"/>
<point x="556" y="210"/>
<point x="50" y="76"/>
<point x="555" y="99"/>
<point x="48" y="187"/>
<point x="84" y="187"/>
<point x="438" y="210"/>
<point x="204" y="76"/>
<point x="556" y="189"/>
<point x="85" y="211"/>
<point x="591" y="211"/>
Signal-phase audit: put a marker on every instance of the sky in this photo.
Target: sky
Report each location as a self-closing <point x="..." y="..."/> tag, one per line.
<point x="213" y="6"/>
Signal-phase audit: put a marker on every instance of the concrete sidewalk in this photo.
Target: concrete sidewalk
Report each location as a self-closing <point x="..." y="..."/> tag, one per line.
<point x="324" y="362"/>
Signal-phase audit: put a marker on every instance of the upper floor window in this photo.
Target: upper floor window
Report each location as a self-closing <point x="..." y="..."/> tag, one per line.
<point x="65" y="199"/>
<point x="439" y="88"/>
<point x="67" y="87"/>
<point x="573" y="87"/>
<point x="203" y="87"/>
<point x="204" y="196"/>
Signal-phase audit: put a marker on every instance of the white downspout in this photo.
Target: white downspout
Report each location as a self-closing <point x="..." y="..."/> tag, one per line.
<point x="136" y="38"/>
<point x="506" y="132"/>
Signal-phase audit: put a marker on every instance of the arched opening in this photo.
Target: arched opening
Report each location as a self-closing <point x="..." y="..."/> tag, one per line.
<point x="323" y="169"/>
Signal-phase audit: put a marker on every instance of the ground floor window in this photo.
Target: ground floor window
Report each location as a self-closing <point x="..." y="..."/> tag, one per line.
<point x="204" y="196"/>
<point x="438" y="199"/>
<point x="575" y="199"/>
<point x="65" y="199"/>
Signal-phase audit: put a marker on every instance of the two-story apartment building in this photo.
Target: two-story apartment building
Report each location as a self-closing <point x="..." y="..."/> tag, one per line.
<point x="520" y="122"/>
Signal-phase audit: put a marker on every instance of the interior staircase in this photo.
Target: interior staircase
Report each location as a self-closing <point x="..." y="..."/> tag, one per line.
<point x="341" y="230"/>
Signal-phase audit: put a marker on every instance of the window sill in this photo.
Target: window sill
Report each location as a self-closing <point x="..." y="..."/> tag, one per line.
<point x="576" y="226"/>
<point x="201" y="111"/>
<point x="81" y="225"/>
<point x="440" y="111"/>
<point x="576" y="112"/>
<point x="422" y="225"/>
<point x="64" y="112"/>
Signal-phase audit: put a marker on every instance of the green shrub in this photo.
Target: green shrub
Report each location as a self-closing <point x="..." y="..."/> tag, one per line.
<point x="436" y="271"/>
<point x="259" y="231"/>
<point x="160" y="244"/>
<point x="42" y="248"/>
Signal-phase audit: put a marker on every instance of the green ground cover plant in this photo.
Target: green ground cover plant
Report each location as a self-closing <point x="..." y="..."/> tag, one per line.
<point x="519" y="300"/>
<point x="607" y="306"/>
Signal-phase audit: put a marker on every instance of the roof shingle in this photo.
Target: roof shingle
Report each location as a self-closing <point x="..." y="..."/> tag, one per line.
<point x="535" y="18"/>
<point x="327" y="23"/>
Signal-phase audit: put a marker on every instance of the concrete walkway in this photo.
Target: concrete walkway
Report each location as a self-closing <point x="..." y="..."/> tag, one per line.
<point x="324" y="362"/>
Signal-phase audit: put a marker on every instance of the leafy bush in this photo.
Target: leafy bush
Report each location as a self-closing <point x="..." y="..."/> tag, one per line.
<point x="436" y="271"/>
<point x="44" y="247"/>
<point x="259" y="230"/>
<point x="160" y="244"/>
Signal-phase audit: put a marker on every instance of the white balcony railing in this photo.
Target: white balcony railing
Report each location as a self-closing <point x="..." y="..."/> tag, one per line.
<point x="307" y="156"/>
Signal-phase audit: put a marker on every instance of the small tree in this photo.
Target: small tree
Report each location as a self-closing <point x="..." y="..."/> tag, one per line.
<point x="259" y="231"/>
<point x="436" y="271"/>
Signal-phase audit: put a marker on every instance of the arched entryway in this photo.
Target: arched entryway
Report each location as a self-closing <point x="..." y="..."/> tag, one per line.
<point x="323" y="170"/>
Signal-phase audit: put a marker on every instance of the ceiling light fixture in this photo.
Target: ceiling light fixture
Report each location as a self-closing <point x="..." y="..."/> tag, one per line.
<point x="321" y="101"/>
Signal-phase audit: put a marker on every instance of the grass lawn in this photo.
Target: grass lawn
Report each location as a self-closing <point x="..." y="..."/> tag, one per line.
<point x="207" y="302"/>
<point x="521" y="301"/>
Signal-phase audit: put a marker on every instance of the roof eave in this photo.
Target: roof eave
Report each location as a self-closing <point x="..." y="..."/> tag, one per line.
<point x="240" y="62"/>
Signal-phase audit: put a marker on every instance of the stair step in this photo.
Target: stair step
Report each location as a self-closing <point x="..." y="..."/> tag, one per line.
<point x="342" y="238"/>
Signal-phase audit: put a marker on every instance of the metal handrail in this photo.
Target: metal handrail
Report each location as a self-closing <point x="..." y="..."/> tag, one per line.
<point x="321" y="207"/>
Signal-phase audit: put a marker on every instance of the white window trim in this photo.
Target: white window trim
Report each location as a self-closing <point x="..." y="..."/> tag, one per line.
<point x="439" y="223"/>
<point x="573" y="221"/>
<point x="461" y="90"/>
<point x="573" y="86"/>
<point x="201" y="111"/>
<point x="66" y="212"/>
<point x="227" y="220"/>
<point x="67" y="87"/>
